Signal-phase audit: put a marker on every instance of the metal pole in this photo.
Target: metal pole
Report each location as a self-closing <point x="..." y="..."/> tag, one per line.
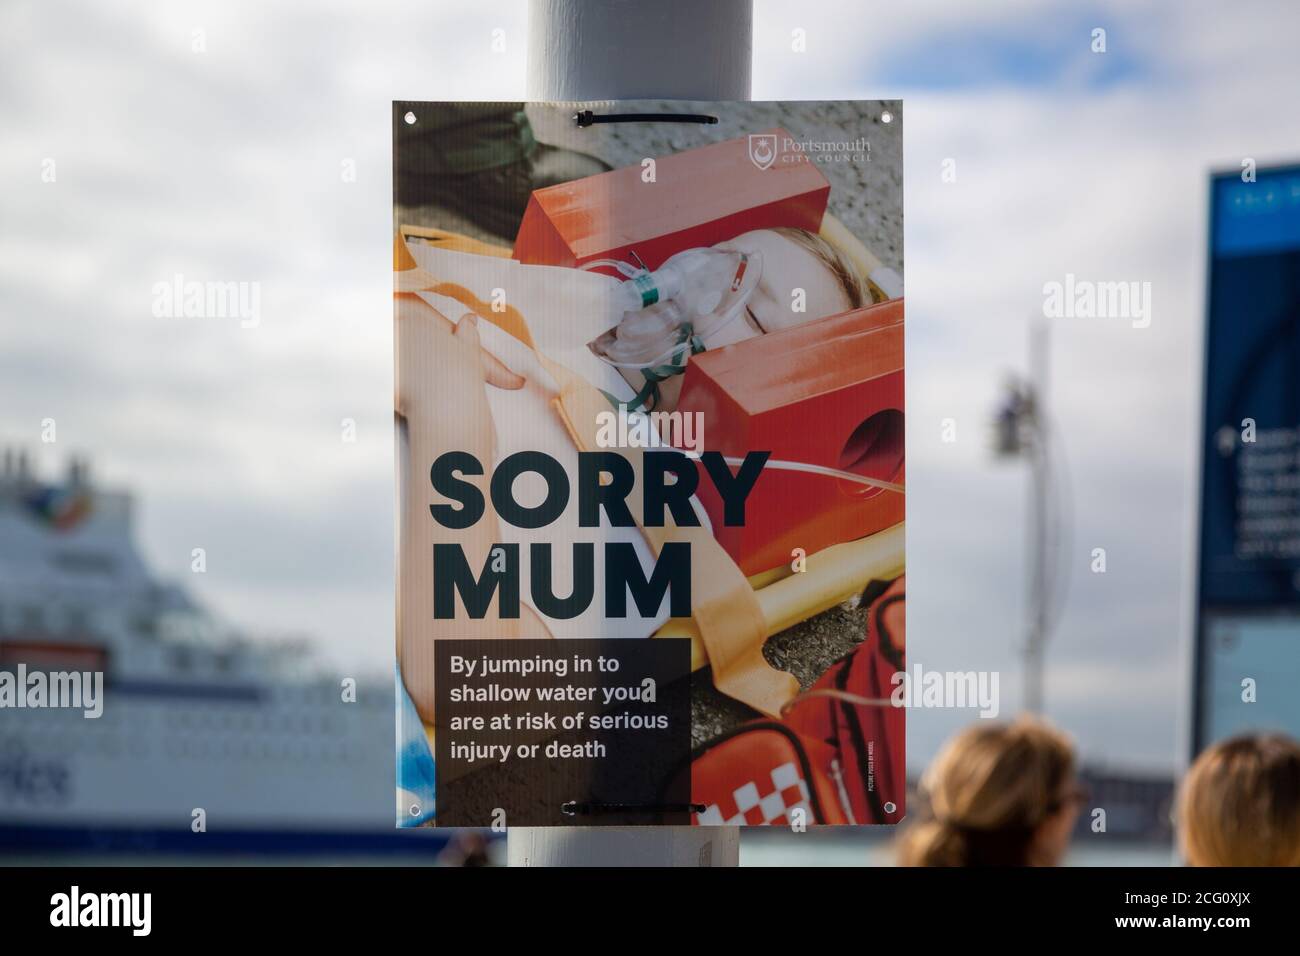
<point x="623" y="49"/>
<point x="1035" y="645"/>
<point x="639" y="49"/>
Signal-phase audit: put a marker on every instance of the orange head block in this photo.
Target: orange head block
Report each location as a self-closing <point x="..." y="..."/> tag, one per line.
<point x="698" y="197"/>
<point x="826" y="393"/>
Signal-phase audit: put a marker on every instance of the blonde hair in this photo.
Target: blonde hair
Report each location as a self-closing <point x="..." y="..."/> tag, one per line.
<point x="855" y="286"/>
<point x="1240" y="803"/>
<point x="989" y="789"/>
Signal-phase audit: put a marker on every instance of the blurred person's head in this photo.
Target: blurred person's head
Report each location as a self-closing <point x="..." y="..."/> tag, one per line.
<point x="999" y="795"/>
<point x="1240" y="804"/>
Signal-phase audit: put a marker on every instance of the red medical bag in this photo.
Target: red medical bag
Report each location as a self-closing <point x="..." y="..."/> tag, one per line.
<point x="835" y="757"/>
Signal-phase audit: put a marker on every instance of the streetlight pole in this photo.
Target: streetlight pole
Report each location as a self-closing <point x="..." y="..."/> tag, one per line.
<point x="1023" y="431"/>
<point x="1039" y="548"/>
<point x="623" y="49"/>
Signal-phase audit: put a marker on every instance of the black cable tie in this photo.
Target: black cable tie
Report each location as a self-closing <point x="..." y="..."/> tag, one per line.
<point x="585" y="118"/>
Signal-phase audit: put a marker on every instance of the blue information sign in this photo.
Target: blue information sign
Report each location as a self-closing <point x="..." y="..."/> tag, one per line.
<point x="1248" y="613"/>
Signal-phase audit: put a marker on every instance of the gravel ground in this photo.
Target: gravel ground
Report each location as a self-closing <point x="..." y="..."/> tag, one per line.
<point x="866" y="197"/>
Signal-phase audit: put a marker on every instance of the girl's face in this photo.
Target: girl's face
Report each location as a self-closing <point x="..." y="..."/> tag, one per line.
<point x="1052" y="838"/>
<point x="786" y="266"/>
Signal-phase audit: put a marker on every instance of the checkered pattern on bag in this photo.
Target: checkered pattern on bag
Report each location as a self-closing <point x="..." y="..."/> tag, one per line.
<point x="751" y="806"/>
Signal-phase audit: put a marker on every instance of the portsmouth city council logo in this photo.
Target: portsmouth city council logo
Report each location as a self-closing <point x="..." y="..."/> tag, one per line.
<point x="762" y="149"/>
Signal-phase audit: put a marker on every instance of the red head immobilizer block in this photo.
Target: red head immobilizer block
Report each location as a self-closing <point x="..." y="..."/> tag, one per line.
<point x="826" y="393"/>
<point x="700" y="197"/>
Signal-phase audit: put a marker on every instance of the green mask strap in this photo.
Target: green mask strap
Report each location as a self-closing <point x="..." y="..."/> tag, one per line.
<point x="660" y="373"/>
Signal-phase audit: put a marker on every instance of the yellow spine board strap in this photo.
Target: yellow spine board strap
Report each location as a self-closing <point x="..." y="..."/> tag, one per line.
<point x="509" y="320"/>
<point x="726" y="612"/>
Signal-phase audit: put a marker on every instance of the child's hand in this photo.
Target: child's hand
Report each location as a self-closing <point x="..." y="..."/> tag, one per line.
<point x="441" y="372"/>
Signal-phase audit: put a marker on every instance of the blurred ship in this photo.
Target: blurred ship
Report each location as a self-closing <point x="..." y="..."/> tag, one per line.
<point x="196" y="716"/>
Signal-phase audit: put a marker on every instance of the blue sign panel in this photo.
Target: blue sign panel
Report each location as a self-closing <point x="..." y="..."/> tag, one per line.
<point x="1248" y="630"/>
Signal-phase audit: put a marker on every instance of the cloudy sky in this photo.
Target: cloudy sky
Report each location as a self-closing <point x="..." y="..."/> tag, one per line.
<point x="208" y="140"/>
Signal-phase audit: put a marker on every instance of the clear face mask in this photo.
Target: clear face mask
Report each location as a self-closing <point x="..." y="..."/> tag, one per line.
<point x="678" y="309"/>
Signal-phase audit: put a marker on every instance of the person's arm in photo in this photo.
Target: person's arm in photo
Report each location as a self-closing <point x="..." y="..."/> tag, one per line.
<point x="442" y="374"/>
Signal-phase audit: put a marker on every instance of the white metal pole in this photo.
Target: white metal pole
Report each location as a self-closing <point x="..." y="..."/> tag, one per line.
<point x="625" y="49"/>
<point x="1040" y="534"/>
<point x="647" y="49"/>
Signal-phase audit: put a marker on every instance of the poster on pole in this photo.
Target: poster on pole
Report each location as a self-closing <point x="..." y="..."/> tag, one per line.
<point x="649" y="411"/>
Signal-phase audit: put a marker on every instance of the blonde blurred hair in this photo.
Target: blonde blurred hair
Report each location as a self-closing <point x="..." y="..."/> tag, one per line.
<point x="846" y="273"/>
<point x="988" y="790"/>
<point x="1240" y="803"/>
